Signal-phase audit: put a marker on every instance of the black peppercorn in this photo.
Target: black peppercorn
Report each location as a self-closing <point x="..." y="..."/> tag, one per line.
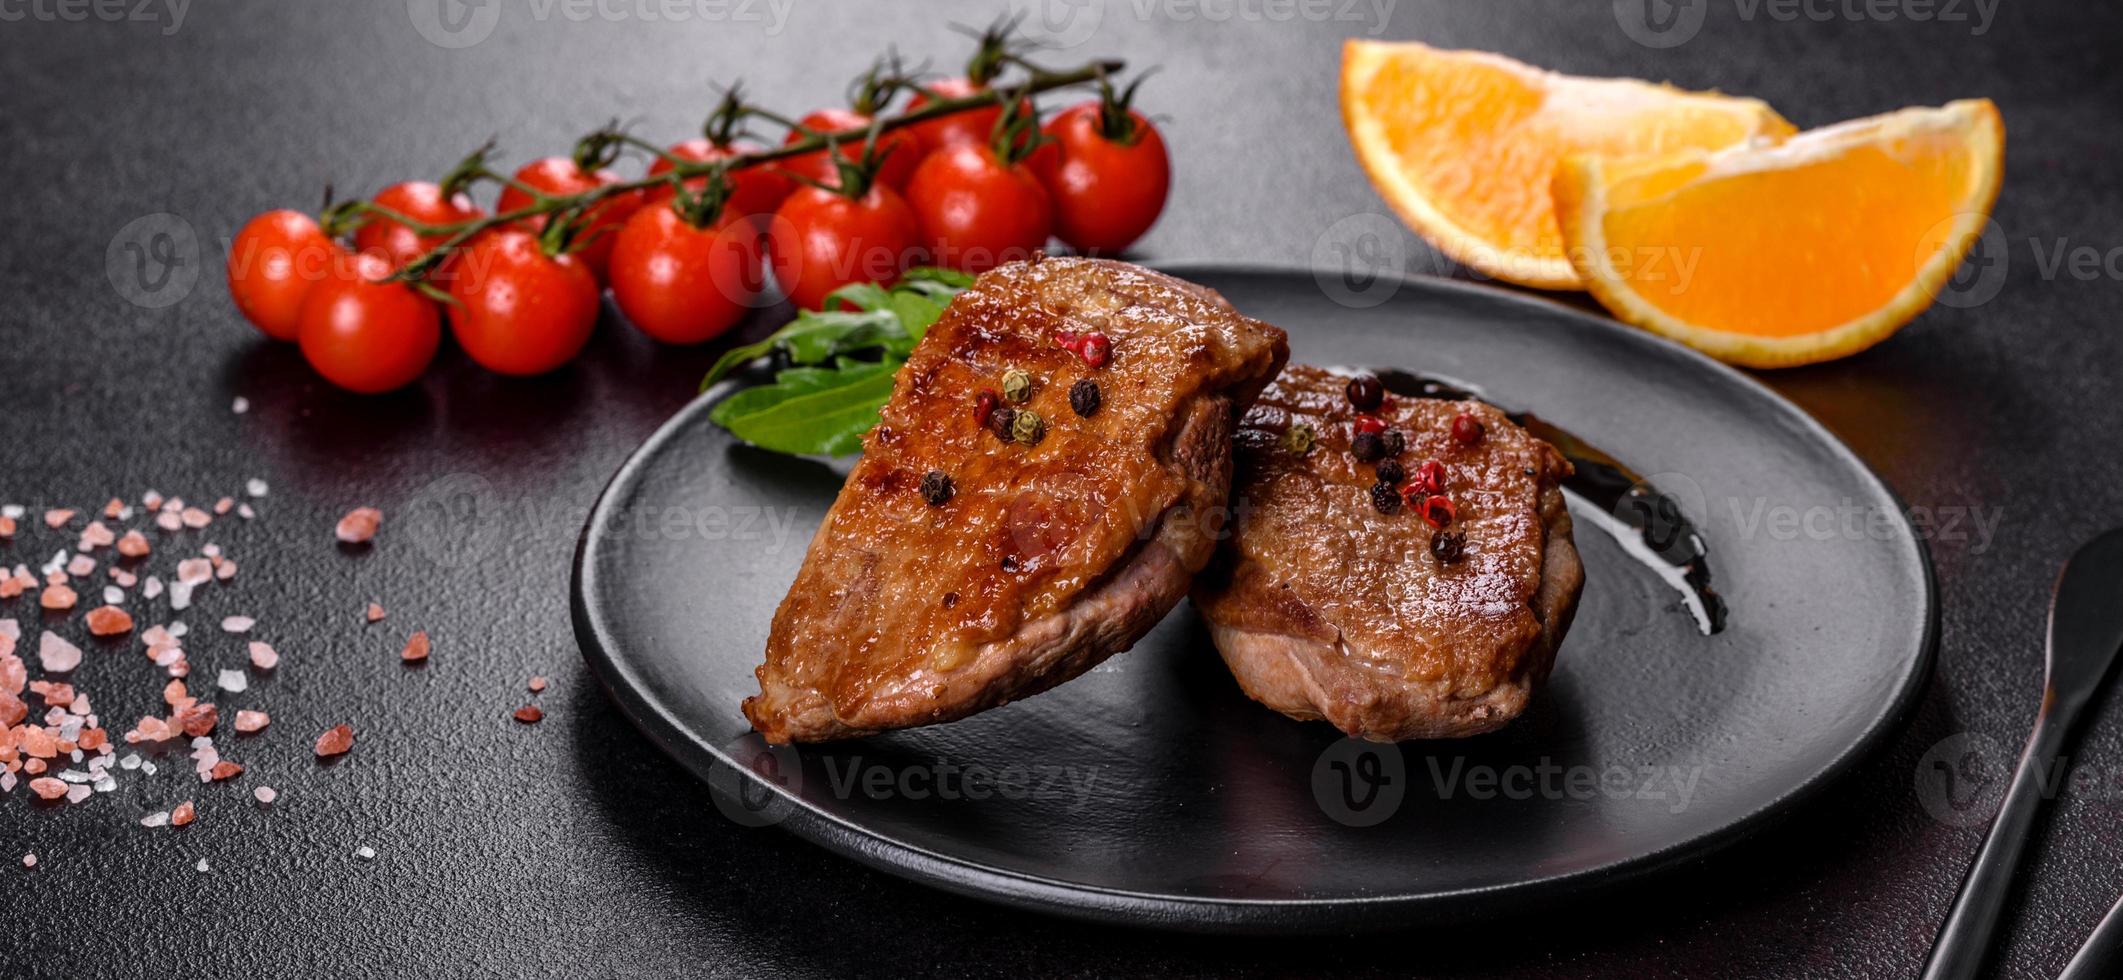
<point x="1084" y="398"/>
<point x="1366" y="393"/>
<point x="1001" y="421"/>
<point x="1385" y="498"/>
<point x="1367" y="446"/>
<point x="1393" y="442"/>
<point x="936" y="488"/>
<point x="1448" y="546"/>
<point x="1391" y="471"/>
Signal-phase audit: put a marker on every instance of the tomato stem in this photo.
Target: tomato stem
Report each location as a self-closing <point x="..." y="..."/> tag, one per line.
<point x="1037" y="80"/>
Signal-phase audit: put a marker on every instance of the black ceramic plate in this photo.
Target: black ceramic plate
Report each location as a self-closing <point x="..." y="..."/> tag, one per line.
<point x="1151" y="791"/>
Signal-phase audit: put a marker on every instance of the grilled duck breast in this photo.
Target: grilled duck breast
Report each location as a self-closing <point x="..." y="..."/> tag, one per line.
<point x="1431" y="608"/>
<point x="987" y="548"/>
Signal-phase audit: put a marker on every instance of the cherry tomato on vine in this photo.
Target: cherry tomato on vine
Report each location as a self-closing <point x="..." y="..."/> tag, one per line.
<point x="976" y="210"/>
<point x="560" y="175"/>
<point x="756" y="189"/>
<point x="821" y="240"/>
<point x="969" y="126"/>
<point x="364" y="334"/>
<point x="898" y="150"/>
<point x="518" y="310"/>
<point x="681" y="284"/>
<point x="1108" y="183"/>
<point x="273" y="263"/>
<point x="421" y="201"/>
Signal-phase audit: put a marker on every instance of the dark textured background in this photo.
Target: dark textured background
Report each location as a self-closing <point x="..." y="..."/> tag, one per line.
<point x="572" y="847"/>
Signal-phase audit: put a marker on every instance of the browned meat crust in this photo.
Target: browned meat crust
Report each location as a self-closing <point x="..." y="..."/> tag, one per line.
<point x="1047" y="558"/>
<point x="1325" y="608"/>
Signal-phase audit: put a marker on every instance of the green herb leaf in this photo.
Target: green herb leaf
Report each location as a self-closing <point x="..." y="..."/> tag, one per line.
<point x="810" y="410"/>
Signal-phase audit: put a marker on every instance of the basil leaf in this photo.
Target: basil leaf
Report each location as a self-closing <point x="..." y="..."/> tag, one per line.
<point x="812" y="338"/>
<point x="921" y="275"/>
<point x="861" y="295"/>
<point x="811" y="410"/>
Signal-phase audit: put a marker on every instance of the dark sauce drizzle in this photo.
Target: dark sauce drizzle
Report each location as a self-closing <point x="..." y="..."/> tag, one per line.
<point x="1614" y="488"/>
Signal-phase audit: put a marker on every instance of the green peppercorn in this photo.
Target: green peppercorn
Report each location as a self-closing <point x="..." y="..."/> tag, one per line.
<point x="1017" y="386"/>
<point x="1084" y="398"/>
<point x="1299" y="438"/>
<point x="1028" y="427"/>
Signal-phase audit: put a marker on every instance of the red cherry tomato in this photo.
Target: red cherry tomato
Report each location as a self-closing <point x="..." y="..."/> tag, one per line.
<point x="1106" y="193"/>
<point x="973" y="126"/>
<point x="422" y="202"/>
<point x="520" y="311"/>
<point x="753" y="190"/>
<point x="560" y="175"/>
<point x="364" y="334"/>
<point x="273" y="263"/>
<point x="681" y="284"/>
<point x="821" y="241"/>
<point x="977" y="212"/>
<point x="899" y="149"/>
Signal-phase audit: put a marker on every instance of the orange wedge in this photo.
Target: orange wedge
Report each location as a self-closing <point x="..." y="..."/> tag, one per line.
<point x="1463" y="144"/>
<point x="1810" y="250"/>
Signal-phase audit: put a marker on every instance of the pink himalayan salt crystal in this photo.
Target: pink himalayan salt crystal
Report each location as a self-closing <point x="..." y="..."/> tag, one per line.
<point x="225" y="571"/>
<point x="134" y="545"/>
<point x="263" y="656"/>
<point x="57" y="655"/>
<point x="537" y="683"/>
<point x="416" y="648"/>
<point x="56" y="519"/>
<point x="80" y="565"/>
<point x="195" y="571"/>
<point x="29" y="860"/>
<point x="96" y="535"/>
<point x="359" y="525"/>
<point x="237" y="624"/>
<point x="335" y="741"/>
<point x="195" y="518"/>
<point x="150" y="729"/>
<point x="77" y="792"/>
<point x="375" y="613"/>
<point x="252" y="721"/>
<point x="47" y="788"/>
<point x="224" y="505"/>
<point x="169" y="521"/>
<point x="265" y="794"/>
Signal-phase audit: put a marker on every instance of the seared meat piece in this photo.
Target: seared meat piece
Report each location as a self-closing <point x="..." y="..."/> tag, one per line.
<point x="1336" y="600"/>
<point x="969" y="561"/>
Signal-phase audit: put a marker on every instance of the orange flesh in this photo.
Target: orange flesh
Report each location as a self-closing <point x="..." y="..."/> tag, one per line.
<point x="1481" y="138"/>
<point x="1845" y="234"/>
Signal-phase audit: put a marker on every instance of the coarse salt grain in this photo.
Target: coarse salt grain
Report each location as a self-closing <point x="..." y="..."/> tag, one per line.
<point x="152" y="587"/>
<point x="240" y="405"/>
<point x="416" y="648"/>
<point x="195" y="571"/>
<point x="202" y="866"/>
<point x="264" y="657"/>
<point x="254" y="487"/>
<point x="375" y="613"/>
<point x="159" y="818"/>
<point x="183" y="814"/>
<point x="237" y="624"/>
<point x="56" y="655"/>
<point x="113" y="595"/>
<point x="365" y="852"/>
<point x="529" y="714"/>
<point x="359" y="525"/>
<point x="77" y="792"/>
<point x="335" y="741"/>
<point x="109" y="621"/>
<point x="29" y="860"/>
<point x="537" y="683"/>
<point x="252" y="721"/>
<point x="56" y="519"/>
<point x="233" y="681"/>
<point x="265" y="794"/>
